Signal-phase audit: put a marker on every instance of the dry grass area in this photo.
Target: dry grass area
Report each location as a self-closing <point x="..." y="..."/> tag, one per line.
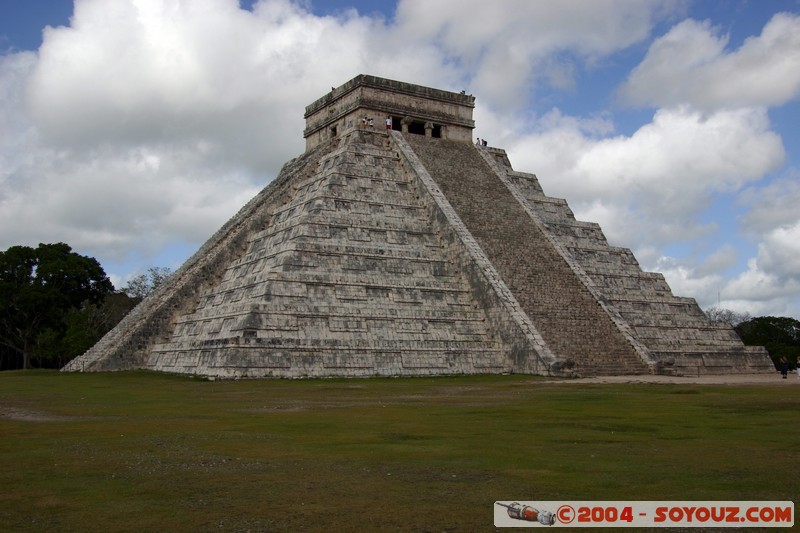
<point x="138" y="451"/>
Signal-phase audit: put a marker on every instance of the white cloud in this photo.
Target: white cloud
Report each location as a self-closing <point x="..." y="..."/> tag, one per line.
<point x="133" y="71"/>
<point x="779" y="253"/>
<point x="685" y="280"/>
<point x="720" y="260"/>
<point x="112" y="200"/>
<point x="690" y="65"/>
<point x="773" y="219"/>
<point x="150" y="122"/>
<point x="147" y="123"/>
<point x="508" y="47"/>
<point x="763" y="292"/>
<point x="755" y="290"/>
<point x="15" y="129"/>
<point x="771" y="206"/>
<point x="769" y="285"/>
<point x="654" y="187"/>
<point x="702" y="279"/>
<point x="650" y="187"/>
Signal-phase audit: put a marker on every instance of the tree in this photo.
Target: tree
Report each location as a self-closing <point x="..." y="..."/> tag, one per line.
<point x="84" y="327"/>
<point x="726" y="316"/>
<point x="38" y="289"/>
<point x="779" y="335"/>
<point x="143" y="284"/>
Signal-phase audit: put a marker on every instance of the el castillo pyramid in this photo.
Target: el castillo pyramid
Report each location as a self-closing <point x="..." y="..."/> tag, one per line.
<point x="400" y="248"/>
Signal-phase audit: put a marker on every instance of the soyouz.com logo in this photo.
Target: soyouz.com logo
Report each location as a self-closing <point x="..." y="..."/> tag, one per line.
<point x="644" y="514"/>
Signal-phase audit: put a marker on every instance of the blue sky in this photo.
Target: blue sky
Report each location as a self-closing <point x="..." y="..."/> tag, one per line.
<point x="133" y="129"/>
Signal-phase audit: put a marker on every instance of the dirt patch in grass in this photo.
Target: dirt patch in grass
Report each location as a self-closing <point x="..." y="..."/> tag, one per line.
<point x="14" y="413"/>
<point x="724" y="379"/>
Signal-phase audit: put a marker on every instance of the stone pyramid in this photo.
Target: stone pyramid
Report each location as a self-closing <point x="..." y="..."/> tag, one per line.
<point x="394" y="246"/>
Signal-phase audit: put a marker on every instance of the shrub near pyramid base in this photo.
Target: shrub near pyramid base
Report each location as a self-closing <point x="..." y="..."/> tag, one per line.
<point x="394" y="246"/>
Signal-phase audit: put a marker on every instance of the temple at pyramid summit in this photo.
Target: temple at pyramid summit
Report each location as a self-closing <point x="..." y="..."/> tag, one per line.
<point x="396" y="246"/>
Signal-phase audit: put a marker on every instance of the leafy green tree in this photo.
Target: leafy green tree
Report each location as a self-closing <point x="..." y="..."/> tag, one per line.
<point x="779" y="335"/>
<point x="39" y="287"/>
<point x="84" y="327"/>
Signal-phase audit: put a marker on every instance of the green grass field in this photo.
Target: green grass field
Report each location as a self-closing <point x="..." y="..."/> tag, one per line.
<point x="139" y="451"/>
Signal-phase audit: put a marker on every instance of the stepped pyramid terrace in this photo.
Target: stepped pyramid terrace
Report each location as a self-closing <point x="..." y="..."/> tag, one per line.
<point x="394" y="246"/>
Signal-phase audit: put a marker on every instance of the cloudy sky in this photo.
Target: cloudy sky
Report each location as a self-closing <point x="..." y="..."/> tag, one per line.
<point x="133" y="129"/>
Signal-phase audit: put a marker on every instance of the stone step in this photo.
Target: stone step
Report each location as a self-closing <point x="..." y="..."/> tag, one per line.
<point x="543" y="283"/>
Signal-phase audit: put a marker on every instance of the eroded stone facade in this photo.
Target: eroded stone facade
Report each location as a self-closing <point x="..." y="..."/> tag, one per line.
<point x="368" y="101"/>
<point x="411" y="251"/>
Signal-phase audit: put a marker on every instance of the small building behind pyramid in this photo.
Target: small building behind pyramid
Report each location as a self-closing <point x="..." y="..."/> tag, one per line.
<point x="394" y="246"/>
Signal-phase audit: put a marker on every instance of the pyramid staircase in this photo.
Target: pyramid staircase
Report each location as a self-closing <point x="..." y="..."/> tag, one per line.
<point x="566" y="313"/>
<point x="673" y="329"/>
<point x="387" y="253"/>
